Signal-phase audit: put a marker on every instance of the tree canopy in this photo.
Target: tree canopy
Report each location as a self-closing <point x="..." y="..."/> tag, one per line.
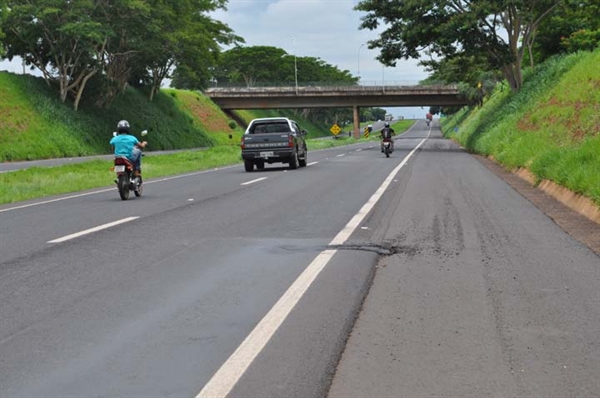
<point x="574" y="26"/>
<point x="3" y="12"/>
<point x="266" y="65"/>
<point x="113" y="43"/>
<point x="494" y="29"/>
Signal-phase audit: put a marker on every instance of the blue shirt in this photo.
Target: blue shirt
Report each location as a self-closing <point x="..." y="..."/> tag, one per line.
<point x="124" y="144"/>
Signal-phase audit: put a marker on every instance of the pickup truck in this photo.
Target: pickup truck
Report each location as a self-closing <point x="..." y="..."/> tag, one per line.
<point x="273" y="140"/>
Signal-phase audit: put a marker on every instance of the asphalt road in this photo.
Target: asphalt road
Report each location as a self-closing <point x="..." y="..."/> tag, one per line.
<point x="249" y="284"/>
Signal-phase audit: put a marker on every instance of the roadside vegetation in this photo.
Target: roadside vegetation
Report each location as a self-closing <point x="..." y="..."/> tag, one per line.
<point x="551" y="126"/>
<point x="36" y="125"/>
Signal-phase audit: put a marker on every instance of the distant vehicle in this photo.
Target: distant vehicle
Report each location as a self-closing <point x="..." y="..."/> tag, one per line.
<point x="274" y="140"/>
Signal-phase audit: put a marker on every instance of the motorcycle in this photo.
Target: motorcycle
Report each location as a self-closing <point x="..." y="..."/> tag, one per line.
<point x="126" y="179"/>
<point x="387" y="147"/>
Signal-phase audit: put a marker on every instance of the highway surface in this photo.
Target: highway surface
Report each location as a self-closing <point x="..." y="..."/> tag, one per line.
<point x="421" y="275"/>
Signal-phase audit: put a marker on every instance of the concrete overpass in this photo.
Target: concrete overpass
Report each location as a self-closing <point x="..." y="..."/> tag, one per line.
<point x="230" y="98"/>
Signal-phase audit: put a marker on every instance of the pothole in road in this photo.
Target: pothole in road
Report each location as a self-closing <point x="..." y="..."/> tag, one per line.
<point x="381" y="249"/>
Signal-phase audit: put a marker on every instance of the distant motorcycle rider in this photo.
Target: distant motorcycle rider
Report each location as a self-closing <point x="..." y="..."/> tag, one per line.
<point x="128" y="146"/>
<point x="386" y="134"/>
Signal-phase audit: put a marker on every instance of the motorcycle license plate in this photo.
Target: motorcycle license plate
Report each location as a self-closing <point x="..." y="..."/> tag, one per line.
<point x="266" y="154"/>
<point x="386" y="143"/>
<point x="119" y="169"/>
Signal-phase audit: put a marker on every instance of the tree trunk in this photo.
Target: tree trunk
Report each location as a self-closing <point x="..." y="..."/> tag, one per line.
<point x="81" y="88"/>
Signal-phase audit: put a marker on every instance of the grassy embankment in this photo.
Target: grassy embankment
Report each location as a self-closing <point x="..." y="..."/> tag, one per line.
<point x="35" y="125"/>
<point x="551" y="127"/>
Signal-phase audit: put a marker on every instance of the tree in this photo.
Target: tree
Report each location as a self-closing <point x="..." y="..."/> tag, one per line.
<point x="114" y="42"/>
<point x="571" y="18"/>
<point x="255" y="65"/>
<point x="197" y="51"/>
<point x="130" y="22"/>
<point x="187" y="39"/>
<point x="3" y="13"/>
<point x="59" y="38"/>
<point x="475" y="77"/>
<point x="448" y="28"/>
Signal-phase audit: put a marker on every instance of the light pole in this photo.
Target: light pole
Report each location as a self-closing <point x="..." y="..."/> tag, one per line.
<point x="295" y="66"/>
<point x="361" y="46"/>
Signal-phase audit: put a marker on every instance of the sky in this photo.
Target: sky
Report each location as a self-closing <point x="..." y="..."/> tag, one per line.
<point x="325" y="29"/>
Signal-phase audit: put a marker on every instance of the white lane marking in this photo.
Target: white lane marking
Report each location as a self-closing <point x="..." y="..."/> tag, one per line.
<point x="340" y="155"/>
<point x="253" y="181"/>
<point x="236" y="365"/>
<point x="95" y="229"/>
<point x="312" y="163"/>
<point x="110" y="189"/>
<point x="359" y="149"/>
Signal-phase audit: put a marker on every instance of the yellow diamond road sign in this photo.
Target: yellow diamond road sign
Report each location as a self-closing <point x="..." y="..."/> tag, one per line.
<point x="335" y="129"/>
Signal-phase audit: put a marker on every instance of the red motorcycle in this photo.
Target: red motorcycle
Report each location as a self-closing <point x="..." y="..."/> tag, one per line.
<point x="127" y="180"/>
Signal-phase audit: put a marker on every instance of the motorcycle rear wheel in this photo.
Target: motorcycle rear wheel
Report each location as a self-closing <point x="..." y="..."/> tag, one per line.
<point x="123" y="186"/>
<point x="139" y="187"/>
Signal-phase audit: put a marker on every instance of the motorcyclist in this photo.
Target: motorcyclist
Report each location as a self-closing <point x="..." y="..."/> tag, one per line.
<point x="386" y="134"/>
<point x="128" y="146"/>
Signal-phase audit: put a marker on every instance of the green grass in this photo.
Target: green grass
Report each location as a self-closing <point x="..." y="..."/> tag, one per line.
<point x="36" y="125"/>
<point x="38" y="182"/>
<point x="44" y="181"/>
<point x="551" y="127"/>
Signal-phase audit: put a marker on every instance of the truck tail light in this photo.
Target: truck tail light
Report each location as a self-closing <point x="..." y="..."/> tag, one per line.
<point x="243" y="143"/>
<point x="291" y="141"/>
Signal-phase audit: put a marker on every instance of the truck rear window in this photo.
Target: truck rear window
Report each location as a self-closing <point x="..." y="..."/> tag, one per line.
<point x="263" y="128"/>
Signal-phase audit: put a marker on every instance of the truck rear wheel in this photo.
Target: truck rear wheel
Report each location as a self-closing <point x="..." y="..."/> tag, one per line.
<point x="294" y="161"/>
<point x="302" y="160"/>
<point x="248" y="165"/>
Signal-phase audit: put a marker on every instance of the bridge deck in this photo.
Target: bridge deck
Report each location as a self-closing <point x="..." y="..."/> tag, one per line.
<point x="337" y="96"/>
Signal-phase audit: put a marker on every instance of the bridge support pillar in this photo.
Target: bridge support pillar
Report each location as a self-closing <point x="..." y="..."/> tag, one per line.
<point x="356" y="115"/>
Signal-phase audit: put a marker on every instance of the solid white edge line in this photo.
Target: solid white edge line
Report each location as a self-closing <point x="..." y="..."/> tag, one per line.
<point x="312" y="163"/>
<point x="95" y="229"/>
<point x="253" y="181"/>
<point x="223" y="381"/>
